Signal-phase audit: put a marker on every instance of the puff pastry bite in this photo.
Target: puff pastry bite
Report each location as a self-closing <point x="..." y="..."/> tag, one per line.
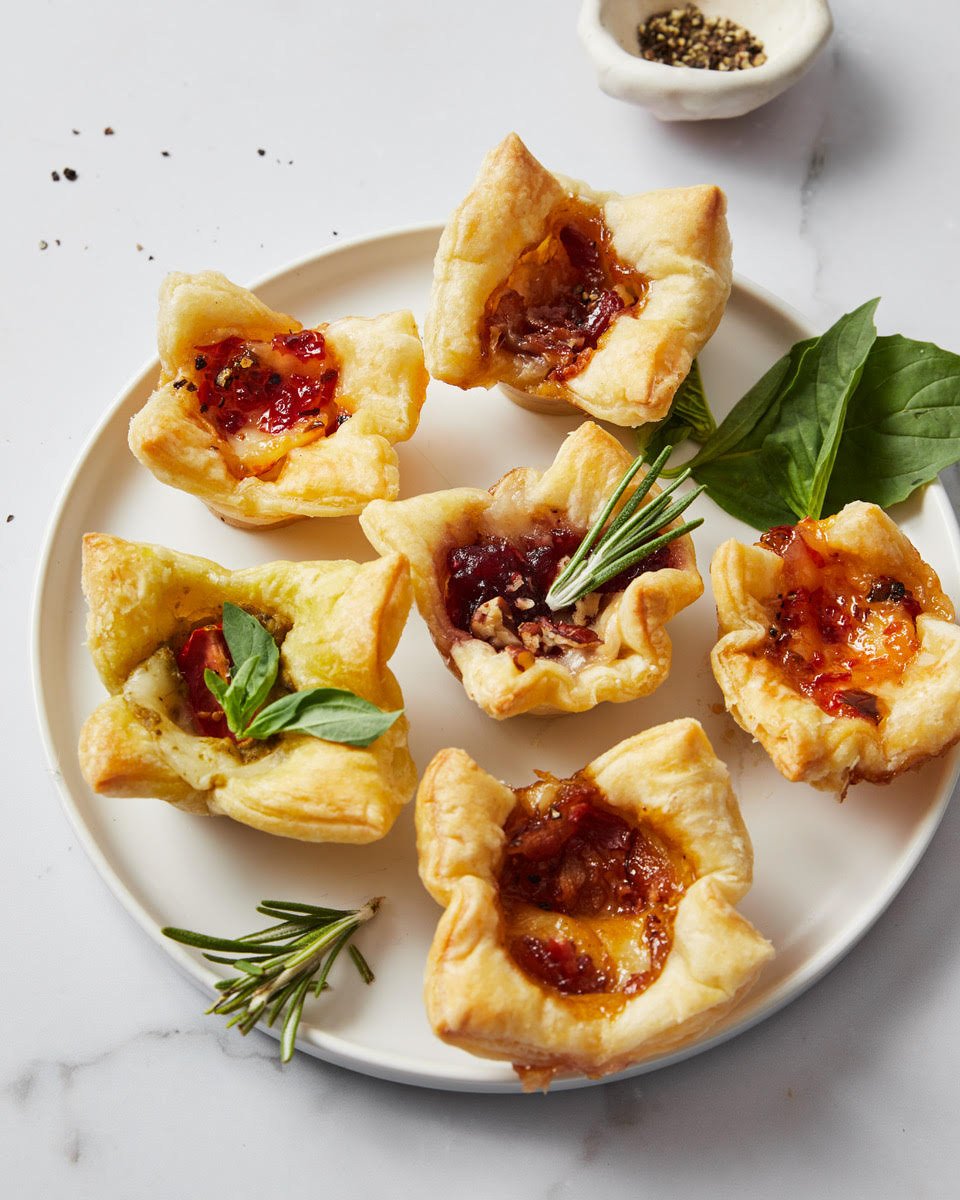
<point x="589" y="921"/>
<point x="568" y="294"/>
<point x="266" y="421"/>
<point x="336" y="624"/>
<point x="483" y="561"/>
<point x="837" y="649"/>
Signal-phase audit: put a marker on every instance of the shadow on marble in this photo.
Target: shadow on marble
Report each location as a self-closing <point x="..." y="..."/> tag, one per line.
<point x="838" y="115"/>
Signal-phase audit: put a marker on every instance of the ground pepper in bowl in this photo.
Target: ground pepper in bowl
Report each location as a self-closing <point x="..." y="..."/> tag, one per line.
<point x="686" y="37"/>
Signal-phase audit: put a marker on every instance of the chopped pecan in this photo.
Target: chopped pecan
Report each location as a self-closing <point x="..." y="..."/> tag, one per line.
<point x="544" y="634"/>
<point x="523" y="660"/>
<point x="586" y="608"/>
<point x="491" y="622"/>
<point x="559" y="633"/>
<point x="530" y="636"/>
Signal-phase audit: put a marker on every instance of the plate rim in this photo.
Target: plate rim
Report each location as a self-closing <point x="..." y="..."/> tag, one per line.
<point x="387" y="1064"/>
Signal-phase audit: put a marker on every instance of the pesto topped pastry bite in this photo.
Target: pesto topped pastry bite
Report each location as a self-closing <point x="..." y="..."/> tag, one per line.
<point x="261" y="695"/>
<point x="589" y="922"/>
<point x="266" y="421"/>
<point x="491" y="576"/>
<point x="838" y="649"/>
<point x="571" y="295"/>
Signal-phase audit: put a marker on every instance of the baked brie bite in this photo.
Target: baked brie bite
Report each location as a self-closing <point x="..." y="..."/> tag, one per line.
<point x="483" y="561"/>
<point x="154" y="627"/>
<point x="838" y="650"/>
<point x="589" y="922"/>
<point x="574" y="296"/>
<point x="266" y="421"/>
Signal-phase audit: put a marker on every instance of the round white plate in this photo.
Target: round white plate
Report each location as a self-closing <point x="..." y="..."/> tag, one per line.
<point x="824" y="871"/>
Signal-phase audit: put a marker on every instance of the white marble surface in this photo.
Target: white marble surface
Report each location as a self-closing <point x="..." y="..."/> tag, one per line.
<point x="112" y="1083"/>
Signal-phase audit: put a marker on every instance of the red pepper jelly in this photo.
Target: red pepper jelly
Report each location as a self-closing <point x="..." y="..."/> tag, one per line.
<point x="496" y="590"/>
<point x="588" y="899"/>
<point x="838" y="632"/>
<point x="205" y="649"/>
<point x="267" y="397"/>
<point x="560" y="298"/>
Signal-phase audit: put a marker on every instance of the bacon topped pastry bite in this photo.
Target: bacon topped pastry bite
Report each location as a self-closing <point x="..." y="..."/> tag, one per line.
<point x="589" y="922"/>
<point x="483" y="562"/>
<point x="837" y="649"/>
<point x="569" y="295"/>
<point x="267" y="421"/>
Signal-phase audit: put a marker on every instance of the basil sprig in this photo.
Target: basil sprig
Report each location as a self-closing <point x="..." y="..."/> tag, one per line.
<point x="689" y="417"/>
<point x="329" y="713"/>
<point x="844" y="416"/>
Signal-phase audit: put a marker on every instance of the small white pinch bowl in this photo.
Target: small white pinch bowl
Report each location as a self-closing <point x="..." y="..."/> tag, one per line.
<point x="793" y="33"/>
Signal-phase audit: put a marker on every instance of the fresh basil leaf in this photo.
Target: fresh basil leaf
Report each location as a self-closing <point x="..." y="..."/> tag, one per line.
<point x="903" y="424"/>
<point x="329" y="713"/>
<point x="226" y="697"/>
<point x="739" y="483"/>
<point x="690" y="405"/>
<point x="246" y="638"/>
<point x="652" y="440"/>
<point x="245" y="702"/>
<point x="760" y="402"/>
<point x="689" y="417"/>
<point x="770" y="460"/>
<point x="800" y="450"/>
<point x="215" y="685"/>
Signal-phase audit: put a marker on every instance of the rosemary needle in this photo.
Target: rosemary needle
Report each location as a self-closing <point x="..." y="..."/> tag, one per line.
<point x="634" y="534"/>
<point x="280" y="965"/>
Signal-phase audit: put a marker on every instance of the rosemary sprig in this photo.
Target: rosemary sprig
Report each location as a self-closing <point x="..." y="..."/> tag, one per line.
<point x="280" y="965"/>
<point x="635" y="533"/>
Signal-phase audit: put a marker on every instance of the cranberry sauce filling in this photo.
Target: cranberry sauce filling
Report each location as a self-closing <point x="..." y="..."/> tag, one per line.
<point x="271" y="385"/>
<point x="837" y="633"/>
<point x="494" y="566"/>
<point x="205" y="649"/>
<point x="563" y="294"/>
<point x="496" y="590"/>
<point x="579" y="858"/>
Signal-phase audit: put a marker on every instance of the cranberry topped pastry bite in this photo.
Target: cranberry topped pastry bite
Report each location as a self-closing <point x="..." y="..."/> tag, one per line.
<point x="261" y="695"/>
<point x="492" y="578"/>
<point x="838" y="650"/>
<point x="267" y="421"/>
<point x="572" y="296"/>
<point x="589" y="921"/>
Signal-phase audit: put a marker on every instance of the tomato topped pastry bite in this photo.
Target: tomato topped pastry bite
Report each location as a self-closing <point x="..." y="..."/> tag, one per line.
<point x="589" y="921"/>
<point x="261" y="695"/>
<point x="575" y="296"/>
<point x="495" y="575"/>
<point x="837" y="649"/>
<point x="266" y="421"/>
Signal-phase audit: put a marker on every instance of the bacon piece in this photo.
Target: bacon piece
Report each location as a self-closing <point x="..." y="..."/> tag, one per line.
<point x="864" y="704"/>
<point x="557" y="963"/>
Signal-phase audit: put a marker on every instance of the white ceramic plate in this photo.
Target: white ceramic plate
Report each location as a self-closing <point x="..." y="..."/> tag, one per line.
<point x="824" y="871"/>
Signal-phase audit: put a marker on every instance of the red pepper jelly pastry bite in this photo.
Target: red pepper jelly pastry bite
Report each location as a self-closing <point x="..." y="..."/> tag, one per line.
<point x="837" y="649"/>
<point x="589" y="921"/>
<point x="266" y="421"/>
<point x="156" y="626"/>
<point x="482" y="563"/>
<point x="569" y="295"/>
